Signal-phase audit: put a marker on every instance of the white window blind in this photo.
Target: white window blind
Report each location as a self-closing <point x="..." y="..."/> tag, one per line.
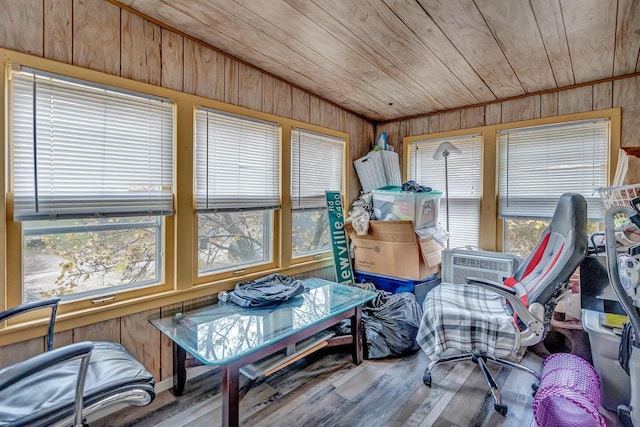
<point x="316" y="166"/>
<point x="465" y="177"/>
<point x="82" y="149"/>
<point x="237" y="162"/>
<point x="538" y="164"/>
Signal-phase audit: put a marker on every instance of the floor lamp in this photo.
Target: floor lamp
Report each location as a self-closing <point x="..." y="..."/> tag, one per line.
<point x="443" y="151"/>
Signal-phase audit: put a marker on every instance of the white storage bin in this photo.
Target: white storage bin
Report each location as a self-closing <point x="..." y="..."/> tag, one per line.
<point x="421" y="208"/>
<point x="615" y="387"/>
<point x="378" y="169"/>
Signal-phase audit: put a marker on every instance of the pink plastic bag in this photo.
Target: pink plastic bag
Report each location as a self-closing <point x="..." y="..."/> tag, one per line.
<point x="569" y="394"/>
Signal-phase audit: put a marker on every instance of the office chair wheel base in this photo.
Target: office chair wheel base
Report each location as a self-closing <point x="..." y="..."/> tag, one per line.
<point x="426" y="379"/>
<point x="501" y="409"/>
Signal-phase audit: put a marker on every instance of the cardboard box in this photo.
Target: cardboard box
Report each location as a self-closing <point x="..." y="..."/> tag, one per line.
<point x="392" y="249"/>
<point x="431" y="253"/>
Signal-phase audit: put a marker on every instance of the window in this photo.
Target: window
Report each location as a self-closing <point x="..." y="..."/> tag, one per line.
<point x="86" y="257"/>
<point x="237" y="186"/>
<point x="317" y="164"/>
<point x="464" y="183"/>
<point x="538" y="164"/>
<point x="92" y="176"/>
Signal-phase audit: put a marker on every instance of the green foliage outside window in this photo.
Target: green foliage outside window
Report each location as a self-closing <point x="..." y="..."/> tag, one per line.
<point x="310" y="232"/>
<point x="60" y="259"/>
<point x="230" y="239"/>
<point x="522" y="235"/>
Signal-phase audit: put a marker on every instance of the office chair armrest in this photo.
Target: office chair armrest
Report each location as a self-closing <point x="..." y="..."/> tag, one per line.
<point x="490" y="284"/>
<point x="29" y="367"/>
<point x="29" y="306"/>
<point x="534" y="326"/>
<point x="518" y="306"/>
<point x="36" y="305"/>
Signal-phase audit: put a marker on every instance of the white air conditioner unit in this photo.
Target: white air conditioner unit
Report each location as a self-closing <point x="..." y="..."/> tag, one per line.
<point x="458" y="264"/>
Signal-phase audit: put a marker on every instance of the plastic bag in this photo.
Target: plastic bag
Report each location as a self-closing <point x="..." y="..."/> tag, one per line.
<point x="359" y="220"/>
<point x="627" y="234"/>
<point x="391" y="324"/>
<point x="438" y="233"/>
<point x="382" y="141"/>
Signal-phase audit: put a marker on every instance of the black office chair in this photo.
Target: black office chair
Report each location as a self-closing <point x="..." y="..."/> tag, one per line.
<point x="473" y="319"/>
<point x="61" y="387"/>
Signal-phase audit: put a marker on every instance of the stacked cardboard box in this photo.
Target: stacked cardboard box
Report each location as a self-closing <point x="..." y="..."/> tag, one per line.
<point x="392" y="248"/>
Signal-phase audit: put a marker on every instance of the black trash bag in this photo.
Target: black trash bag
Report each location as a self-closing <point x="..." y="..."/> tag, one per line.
<point x="391" y="324"/>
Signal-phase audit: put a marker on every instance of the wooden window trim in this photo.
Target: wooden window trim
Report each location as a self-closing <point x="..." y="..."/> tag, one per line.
<point x="491" y="227"/>
<point x="181" y="281"/>
<point x="345" y="185"/>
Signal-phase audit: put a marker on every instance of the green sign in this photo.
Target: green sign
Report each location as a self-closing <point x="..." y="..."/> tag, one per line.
<point x="339" y="242"/>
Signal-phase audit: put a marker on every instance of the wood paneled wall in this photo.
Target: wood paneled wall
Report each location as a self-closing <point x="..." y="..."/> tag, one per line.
<point x="99" y="35"/>
<point x="623" y="93"/>
<point x="134" y="332"/>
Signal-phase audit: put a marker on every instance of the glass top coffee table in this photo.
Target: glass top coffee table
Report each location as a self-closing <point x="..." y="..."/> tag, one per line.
<point x="234" y="338"/>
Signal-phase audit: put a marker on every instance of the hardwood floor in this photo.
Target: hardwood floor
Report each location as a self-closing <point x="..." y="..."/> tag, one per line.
<point x="326" y="389"/>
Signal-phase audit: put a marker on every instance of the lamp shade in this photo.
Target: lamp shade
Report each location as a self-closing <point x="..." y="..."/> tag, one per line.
<point x="446" y="149"/>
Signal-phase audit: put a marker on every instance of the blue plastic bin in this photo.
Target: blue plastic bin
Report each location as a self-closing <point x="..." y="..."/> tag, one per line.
<point x="394" y="285"/>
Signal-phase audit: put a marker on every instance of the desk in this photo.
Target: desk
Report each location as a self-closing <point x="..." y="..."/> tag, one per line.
<point x="231" y="337"/>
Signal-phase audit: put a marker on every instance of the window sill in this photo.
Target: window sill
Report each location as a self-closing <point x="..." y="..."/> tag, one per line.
<point x="23" y="331"/>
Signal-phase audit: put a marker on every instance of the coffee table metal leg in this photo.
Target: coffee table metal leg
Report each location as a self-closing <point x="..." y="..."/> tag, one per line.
<point x="230" y="395"/>
<point x="356" y="330"/>
<point x="179" y="369"/>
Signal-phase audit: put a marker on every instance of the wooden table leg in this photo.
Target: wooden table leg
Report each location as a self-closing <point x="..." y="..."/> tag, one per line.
<point x="356" y="331"/>
<point x="230" y="395"/>
<point x="179" y="369"/>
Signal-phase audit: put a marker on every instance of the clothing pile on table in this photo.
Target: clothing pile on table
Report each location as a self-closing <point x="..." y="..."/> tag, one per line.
<point x="267" y="291"/>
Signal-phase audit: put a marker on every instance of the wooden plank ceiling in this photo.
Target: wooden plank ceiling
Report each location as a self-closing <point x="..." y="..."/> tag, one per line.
<point x="386" y="59"/>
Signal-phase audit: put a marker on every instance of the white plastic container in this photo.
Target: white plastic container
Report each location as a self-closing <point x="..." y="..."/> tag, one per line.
<point x="389" y="203"/>
<point x="378" y="169"/>
<point x="615" y="387"/>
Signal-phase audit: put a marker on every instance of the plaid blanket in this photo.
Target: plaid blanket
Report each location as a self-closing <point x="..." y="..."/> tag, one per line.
<point x="467" y="318"/>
